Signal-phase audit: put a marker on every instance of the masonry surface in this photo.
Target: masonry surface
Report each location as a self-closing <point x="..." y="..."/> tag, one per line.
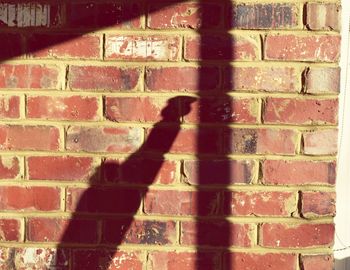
<point x="106" y="164"/>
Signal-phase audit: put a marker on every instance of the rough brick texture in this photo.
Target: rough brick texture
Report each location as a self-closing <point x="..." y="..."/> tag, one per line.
<point x="166" y="135"/>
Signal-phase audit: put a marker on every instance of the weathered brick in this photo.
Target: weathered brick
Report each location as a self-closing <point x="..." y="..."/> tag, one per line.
<point x="216" y="172"/>
<point x="184" y="260"/>
<point x="59" y="168"/>
<point x="249" y="261"/>
<point x="11" y="44"/>
<point x="62" y="108"/>
<point x="9" y="167"/>
<point x="280" y="172"/>
<point x="103" y="200"/>
<point x="105" y="139"/>
<point x="10" y="230"/>
<point x="10" y="106"/>
<point x="43" y="14"/>
<point x="296" y="236"/>
<point x="322" y="16"/>
<point x="322" y="80"/>
<point x="321" y="142"/>
<point x="300" y="111"/>
<point x="34" y="258"/>
<point x="146" y="232"/>
<point x="143" y="109"/>
<point x="260" y="141"/>
<point x="263" y="16"/>
<point x="63" y="46"/>
<point x="21" y="138"/>
<point x="265" y="79"/>
<point x="219" y="47"/>
<point x="30" y="198"/>
<point x="105" y="14"/>
<point x="150" y="47"/>
<point x="318" y="48"/>
<point x="29" y="77"/>
<point x="216" y="233"/>
<point x="182" y="79"/>
<point x="107" y="259"/>
<point x="223" y="110"/>
<point x="317" y="262"/>
<point x="61" y="230"/>
<point x="185" y="15"/>
<point x="314" y="204"/>
<point x="105" y="78"/>
<point x="182" y="203"/>
<point x="256" y="203"/>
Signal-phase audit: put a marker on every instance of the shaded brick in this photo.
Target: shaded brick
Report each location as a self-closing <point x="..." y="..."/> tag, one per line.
<point x="105" y="78"/>
<point x="296" y="236"/>
<point x="105" y="139"/>
<point x="298" y="172"/>
<point x="322" y="80"/>
<point x="11" y="44"/>
<point x="59" y="168"/>
<point x="314" y="204"/>
<point x="300" y="111"/>
<point x="62" y="108"/>
<point x="322" y="16"/>
<point x="321" y="142"/>
<point x="263" y="16"/>
<point x="317" y="48"/>
<point x="150" y="47"/>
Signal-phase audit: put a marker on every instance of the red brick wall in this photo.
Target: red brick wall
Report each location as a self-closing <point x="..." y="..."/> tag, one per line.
<point x="168" y="135"/>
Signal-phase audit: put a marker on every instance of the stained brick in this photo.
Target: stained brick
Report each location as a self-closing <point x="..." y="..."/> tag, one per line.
<point x="10" y="230"/>
<point x="317" y="262"/>
<point x="322" y="16"/>
<point x="322" y="80"/>
<point x="314" y="204"/>
<point x="321" y="142"/>
<point x="10" y="106"/>
<point x="9" y="167"/>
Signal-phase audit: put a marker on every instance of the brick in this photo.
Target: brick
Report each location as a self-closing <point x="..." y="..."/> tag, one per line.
<point x="63" y="108"/>
<point x="63" y="46"/>
<point x="217" y="233"/>
<point x="34" y="258"/>
<point x="182" y="79"/>
<point x="321" y="142"/>
<point x="30" y="198"/>
<point x="61" y="230"/>
<point x="184" y="260"/>
<point x="21" y="138"/>
<point x="10" y="230"/>
<point x="182" y="203"/>
<point x="300" y="111"/>
<point x="322" y="80"/>
<point x="29" y="76"/>
<point x="10" y="106"/>
<point x="314" y="204"/>
<point x="103" y="200"/>
<point x="296" y="236"/>
<point x="317" y="262"/>
<point x="106" y="78"/>
<point x="249" y="261"/>
<point x="107" y="259"/>
<point x="317" y="48"/>
<point x="321" y="16"/>
<point x="145" y="232"/>
<point x="105" y="139"/>
<point x="99" y="15"/>
<point x="59" y="168"/>
<point x="141" y="109"/>
<point x="246" y="203"/>
<point x="207" y="140"/>
<point x="265" y="79"/>
<point x="9" y="167"/>
<point x="263" y="16"/>
<point x="279" y="172"/>
<point x="137" y="47"/>
<point x="216" y="172"/>
<point x="224" y="110"/>
<point x="185" y="15"/>
<point x="11" y="44"/>
<point x="219" y="47"/>
<point x="34" y="15"/>
<point x="261" y="141"/>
